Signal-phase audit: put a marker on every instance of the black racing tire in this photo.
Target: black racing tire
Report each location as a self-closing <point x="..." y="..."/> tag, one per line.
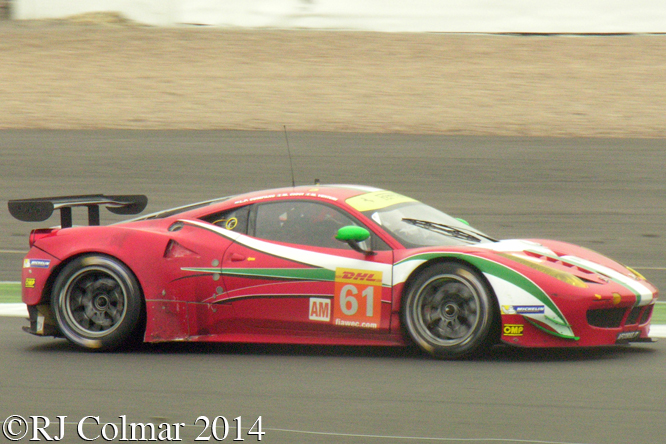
<point x="97" y="303"/>
<point x="449" y="311"/>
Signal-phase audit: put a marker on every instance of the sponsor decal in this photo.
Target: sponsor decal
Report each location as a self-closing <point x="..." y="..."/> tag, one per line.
<point x="320" y="309"/>
<point x="377" y="200"/>
<point x="523" y="309"/>
<point x="36" y="263"/>
<point x="344" y="323"/>
<point x="357" y="298"/>
<point x="513" y="329"/>
<point x="627" y="335"/>
<point x="29" y="282"/>
<point x="293" y="194"/>
<point x="358" y="276"/>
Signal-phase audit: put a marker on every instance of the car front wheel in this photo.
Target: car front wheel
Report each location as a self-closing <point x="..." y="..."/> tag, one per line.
<point x="449" y="311"/>
<point x="97" y="303"/>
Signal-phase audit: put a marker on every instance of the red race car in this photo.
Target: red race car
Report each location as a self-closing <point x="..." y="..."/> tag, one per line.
<point x="347" y="265"/>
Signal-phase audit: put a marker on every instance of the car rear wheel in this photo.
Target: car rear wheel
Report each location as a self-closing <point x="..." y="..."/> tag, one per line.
<point x="97" y="303"/>
<point x="449" y="311"/>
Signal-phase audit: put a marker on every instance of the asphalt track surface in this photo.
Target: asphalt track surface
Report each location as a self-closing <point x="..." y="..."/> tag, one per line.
<point x="606" y="194"/>
<point x="343" y="395"/>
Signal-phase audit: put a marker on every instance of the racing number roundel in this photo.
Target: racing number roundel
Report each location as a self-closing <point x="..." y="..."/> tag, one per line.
<point x="357" y="298"/>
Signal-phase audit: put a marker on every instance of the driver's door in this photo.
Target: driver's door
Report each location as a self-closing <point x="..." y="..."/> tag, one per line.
<point x="290" y="274"/>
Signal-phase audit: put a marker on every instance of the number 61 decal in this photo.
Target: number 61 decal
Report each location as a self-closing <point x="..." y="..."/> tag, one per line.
<point x="357" y="301"/>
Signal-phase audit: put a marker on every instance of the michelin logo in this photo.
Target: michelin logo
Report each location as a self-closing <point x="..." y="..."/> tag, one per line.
<point x="36" y="263"/>
<point x="523" y="309"/>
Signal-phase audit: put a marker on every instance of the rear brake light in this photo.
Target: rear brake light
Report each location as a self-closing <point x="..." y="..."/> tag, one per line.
<point x="40" y="233"/>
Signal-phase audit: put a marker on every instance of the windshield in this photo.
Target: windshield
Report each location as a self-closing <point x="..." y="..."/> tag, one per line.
<point x="415" y="224"/>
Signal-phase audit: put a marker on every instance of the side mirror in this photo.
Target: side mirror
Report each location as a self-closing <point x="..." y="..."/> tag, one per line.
<point x="352" y="235"/>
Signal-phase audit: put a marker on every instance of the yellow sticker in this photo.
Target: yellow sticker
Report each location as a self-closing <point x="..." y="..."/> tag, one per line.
<point x="617" y="298"/>
<point x="29" y="282"/>
<point x="231" y="223"/>
<point x="513" y="329"/>
<point x="377" y="200"/>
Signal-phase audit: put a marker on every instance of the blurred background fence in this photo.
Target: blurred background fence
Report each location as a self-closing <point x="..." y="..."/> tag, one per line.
<point x="485" y="16"/>
<point x="4" y="9"/>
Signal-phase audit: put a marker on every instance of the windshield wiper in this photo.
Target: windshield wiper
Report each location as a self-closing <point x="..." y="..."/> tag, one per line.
<point x="444" y="229"/>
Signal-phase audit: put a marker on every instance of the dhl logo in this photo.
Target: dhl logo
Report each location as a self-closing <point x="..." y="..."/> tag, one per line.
<point x="351" y="276"/>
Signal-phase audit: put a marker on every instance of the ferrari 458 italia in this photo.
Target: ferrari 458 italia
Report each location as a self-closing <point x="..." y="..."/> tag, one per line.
<point x="343" y="265"/>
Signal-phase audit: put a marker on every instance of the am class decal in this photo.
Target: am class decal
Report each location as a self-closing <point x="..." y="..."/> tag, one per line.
<point x="320" y="309"/>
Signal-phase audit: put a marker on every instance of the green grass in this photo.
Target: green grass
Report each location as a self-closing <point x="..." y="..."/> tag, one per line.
<point x="659" y="314"/>
<point x="11" y="293"/>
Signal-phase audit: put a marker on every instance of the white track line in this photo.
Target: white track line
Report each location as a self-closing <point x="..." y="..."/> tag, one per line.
<point x="267" y="431"/>
<point x="14" y="310"/>
<point x="20" y="311"/>
<point x="658" y="331"/>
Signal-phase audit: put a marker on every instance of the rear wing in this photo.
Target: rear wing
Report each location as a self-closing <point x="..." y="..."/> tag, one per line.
<point x="40" y="209"/>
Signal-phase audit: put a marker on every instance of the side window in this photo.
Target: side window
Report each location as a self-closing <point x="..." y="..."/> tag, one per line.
<point x="301" y="222"/>
<point x="235" y="220"/>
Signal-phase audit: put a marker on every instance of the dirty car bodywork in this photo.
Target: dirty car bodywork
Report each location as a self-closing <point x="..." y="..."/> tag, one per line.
<point x="346" y="265"/>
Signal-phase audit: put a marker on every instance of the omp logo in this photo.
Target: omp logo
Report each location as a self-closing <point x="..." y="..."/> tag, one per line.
<point x="358" y="276"/>
<point x="320" y="309"/>
<point x="513" y="329"/>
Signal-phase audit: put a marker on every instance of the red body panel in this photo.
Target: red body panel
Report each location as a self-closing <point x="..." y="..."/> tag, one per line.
<point x="198" y="285"/>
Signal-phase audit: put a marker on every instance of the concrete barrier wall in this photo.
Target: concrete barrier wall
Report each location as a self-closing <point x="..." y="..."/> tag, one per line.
<point x="484" y="16"/>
